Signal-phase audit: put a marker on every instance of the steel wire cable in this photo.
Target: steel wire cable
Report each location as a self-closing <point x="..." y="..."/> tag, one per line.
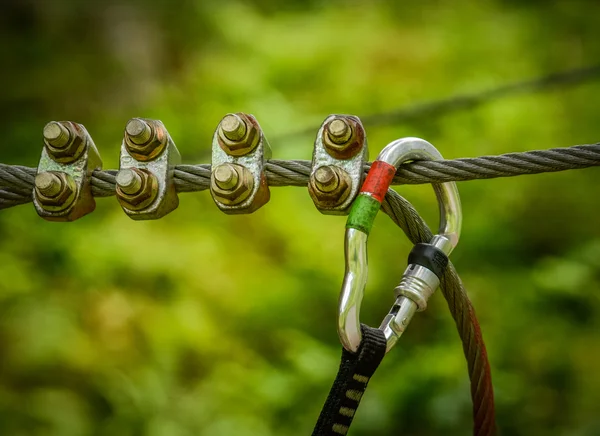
<point x="463" y="313"/>
<point x="16" y="186"/>
<point x="16" y="181"/>
<point x="19" y="182"/>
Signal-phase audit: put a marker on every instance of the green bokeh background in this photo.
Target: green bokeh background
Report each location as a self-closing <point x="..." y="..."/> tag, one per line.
<point x="207" y="324"/>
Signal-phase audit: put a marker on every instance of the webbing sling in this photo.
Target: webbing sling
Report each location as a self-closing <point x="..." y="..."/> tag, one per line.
<point x="356" y="369"/>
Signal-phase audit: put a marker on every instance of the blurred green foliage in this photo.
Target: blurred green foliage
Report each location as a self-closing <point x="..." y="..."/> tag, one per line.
<point x="207" y="324"/>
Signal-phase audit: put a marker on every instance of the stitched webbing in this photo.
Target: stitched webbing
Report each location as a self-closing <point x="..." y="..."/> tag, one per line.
<point x="354" y="374"/>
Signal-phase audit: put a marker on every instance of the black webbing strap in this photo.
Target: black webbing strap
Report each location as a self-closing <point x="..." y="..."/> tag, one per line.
<point x="350" y="384"/>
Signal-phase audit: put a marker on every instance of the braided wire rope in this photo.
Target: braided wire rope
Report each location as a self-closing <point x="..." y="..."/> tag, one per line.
<point x="462" y="311"/>
<point x="296" y="173"/>
<point x="16" y="186"/>
<point x="16" y="181"/>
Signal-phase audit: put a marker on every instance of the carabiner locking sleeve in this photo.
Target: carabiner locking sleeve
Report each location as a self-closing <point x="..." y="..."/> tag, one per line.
<point x="427" y="262"/>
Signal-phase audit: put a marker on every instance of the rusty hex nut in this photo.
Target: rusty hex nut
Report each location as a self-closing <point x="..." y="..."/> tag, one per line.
<point x="145" y="192"/>
<point x="238" y="134"/>
<point x="55" y="191"/>
<point x="145" y="139"/>
<point x="329" y="186"/>
<point x="343" y="137"/>
<point x="63" y="141"/>
<point x="231" y="184"/>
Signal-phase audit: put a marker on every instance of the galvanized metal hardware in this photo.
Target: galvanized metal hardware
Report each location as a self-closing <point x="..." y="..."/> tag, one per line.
<point x="419" y="282"/>
<point x="339" y="156"/>
<point x="240" y="150"/>
<point x="145" y="186"/>
<point x="62" y="190"/>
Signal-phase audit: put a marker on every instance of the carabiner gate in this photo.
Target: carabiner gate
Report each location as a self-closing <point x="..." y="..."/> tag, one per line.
<point x="426" y="263"/>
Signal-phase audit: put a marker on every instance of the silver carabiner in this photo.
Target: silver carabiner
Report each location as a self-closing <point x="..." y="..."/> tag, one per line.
<point x="421" y="278"/>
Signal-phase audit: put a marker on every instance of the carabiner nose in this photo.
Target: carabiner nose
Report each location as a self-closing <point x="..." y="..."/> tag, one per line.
<point x="411" y="149"/>
<point x="418" y="282"/>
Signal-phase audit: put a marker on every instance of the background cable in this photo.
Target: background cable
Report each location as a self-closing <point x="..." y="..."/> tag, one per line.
<point x="438" y="108"/>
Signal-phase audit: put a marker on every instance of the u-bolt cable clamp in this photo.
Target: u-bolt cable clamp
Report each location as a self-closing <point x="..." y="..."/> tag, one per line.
<point x="426" y="262"/>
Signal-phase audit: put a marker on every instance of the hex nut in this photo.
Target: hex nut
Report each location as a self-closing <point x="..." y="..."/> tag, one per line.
<point x="247" y="142"/>
<point x="55" y="191"/>
<point x="64" y="141"/>
<point x="343" y="143"/>
<point x="237" y="193"/>
<point x="145" y="139"/>
<point x="334" y="192"/>
<point x="145" y="195"/>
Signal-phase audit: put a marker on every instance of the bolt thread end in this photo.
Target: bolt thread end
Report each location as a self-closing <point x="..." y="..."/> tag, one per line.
<point x="326" y="179"/>
<point x="56" y="134"/>
<point x="339" y="131"/>
<point x="129" y="181"/>
<point x="233" y="127"/>
<point x="138" y="131"/>
<point x="226" y="176"/>
<point x="48" y="184"/>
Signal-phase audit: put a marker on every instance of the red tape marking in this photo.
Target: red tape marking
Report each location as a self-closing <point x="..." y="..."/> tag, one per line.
<point x="378" y="180"/>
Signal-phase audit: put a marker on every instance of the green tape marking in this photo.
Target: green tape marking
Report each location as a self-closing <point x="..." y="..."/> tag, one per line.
<point x="363" y="213"/>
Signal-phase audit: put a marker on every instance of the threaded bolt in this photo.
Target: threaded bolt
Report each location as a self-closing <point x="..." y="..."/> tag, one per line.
<point x="57" y="135"/>
<point x="48" y="184"/>
<point x="138" y="131"/>
<point x="233" y="127"/>
<point x="129" y="181"/>
<point x="339" y="131"/>
<point x="326" y="179"/>
<point x="226" y="176"/>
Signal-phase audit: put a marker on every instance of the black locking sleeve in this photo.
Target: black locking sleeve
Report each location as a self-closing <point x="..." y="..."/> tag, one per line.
<point x="430" y="257"/>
